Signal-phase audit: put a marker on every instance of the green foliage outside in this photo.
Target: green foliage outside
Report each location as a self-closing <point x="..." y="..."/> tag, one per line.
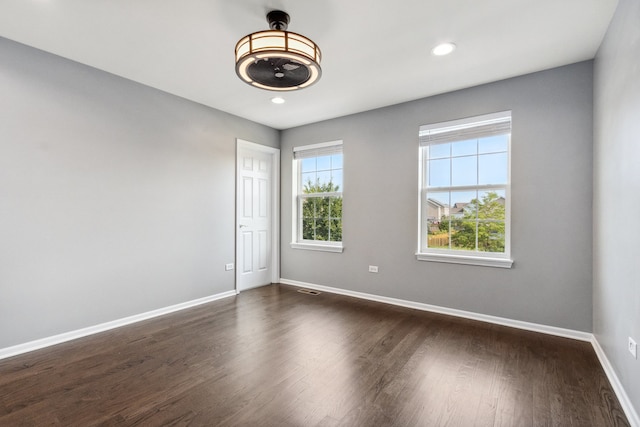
<point x="322" y="215"/>
<point x="488" y="214"/>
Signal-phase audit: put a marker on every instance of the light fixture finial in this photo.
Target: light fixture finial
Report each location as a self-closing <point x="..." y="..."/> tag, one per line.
<point x="278" y="20"/>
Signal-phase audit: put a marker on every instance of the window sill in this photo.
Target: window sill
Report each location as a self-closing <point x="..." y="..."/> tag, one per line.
<point x="468" y="260"/>
<point x="317" y="247"/>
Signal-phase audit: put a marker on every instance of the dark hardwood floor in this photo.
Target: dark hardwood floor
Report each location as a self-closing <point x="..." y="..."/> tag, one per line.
<point x="276" y="357"/>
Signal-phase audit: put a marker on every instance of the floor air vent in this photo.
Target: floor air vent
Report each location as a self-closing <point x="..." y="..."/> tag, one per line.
<point x="308" y="292"/>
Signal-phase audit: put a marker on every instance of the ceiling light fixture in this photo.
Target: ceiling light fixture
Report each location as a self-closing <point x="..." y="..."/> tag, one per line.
<point x="277" y="59"/>
<point x="277" y="100"/>
<point x="443" y="49"/>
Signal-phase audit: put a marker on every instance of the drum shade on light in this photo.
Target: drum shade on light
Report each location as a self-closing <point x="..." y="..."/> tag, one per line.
<point x="276" y="59"/>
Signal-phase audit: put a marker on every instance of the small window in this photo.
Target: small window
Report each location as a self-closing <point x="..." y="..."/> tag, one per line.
<point x="465" y="191"/>
<point x="318" y="185"/>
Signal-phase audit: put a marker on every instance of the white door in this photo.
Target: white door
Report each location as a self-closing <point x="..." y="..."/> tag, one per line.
<point x="256" y="195"/>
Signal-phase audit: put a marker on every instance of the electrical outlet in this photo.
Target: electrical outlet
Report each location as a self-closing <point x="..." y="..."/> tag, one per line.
<point x="633" y="348"/>
<point x="373" y="269"/>
<point x="228" y="267"/>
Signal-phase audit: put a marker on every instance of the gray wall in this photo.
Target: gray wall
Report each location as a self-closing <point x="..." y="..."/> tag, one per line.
<point x="616" y="267"/>
<point x="115" y="198"/>
<point x="550" y="282"/>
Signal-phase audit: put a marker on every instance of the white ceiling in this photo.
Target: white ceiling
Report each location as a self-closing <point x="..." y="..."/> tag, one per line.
<point x="375" y="53"/>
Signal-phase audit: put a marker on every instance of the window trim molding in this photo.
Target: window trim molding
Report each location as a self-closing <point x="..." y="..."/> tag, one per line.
<point x="313" y="147"/>
<point x="307" y="245"/>
<point x="486" y="259"/>
<point x="296" y="227"/>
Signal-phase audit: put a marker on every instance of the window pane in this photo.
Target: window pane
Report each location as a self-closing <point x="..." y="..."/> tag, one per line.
<point x="336" y="161"/>
<point x="322" y="207"/>
<point x="437" y="206"/>
<point x="463" y="220"/>
<point x="463" y="234"/>
<point x="438" y="234"/>
<point x="336" y="178"/>
<point x="438" y="219"/>
<point x="438" y="151"/>
<point x="439" y="173"/>
<point x="323" y="180"/>
<point x="308" y="219"/>
<point x="323" y="163"/>
<point x="492" y="205"/>
<point x="492" y="168"/>
<point x="308" y="208"/>
<point x="309" y="165"/>
<point x="308" y="229"/>
<point x="335" y="207"/>
<point x="493" y="144"/>
<point x="335" y="231"/>
<point x="464" y="171"/>
<point x="491" y="236"/>
<point x="322" y="229"/>
<point x="464" y="148"/>
<point x="461" y="204"/>
<point x="308" y="182"/>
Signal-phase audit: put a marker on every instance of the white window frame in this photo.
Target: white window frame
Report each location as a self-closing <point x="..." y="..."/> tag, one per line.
<point x="312" y="150"/>
<point x="459" y="130"/>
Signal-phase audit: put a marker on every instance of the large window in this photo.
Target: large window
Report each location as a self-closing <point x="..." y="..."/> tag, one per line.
<point x="318" y="185"/>
<point x="465" y="191"/>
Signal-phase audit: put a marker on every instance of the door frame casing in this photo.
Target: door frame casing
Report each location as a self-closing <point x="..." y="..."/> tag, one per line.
<point x="275" y="207"/>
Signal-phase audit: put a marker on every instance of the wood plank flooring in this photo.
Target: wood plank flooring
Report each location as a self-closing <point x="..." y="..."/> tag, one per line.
<point x="276" y="357"/>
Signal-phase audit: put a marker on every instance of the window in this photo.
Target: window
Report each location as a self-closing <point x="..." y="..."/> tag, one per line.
<point x="317" y="186"/>
<point x="465" y="191"/>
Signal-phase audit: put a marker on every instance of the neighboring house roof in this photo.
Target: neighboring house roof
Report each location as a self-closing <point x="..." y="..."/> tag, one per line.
<point x="437" y="203"/>
<point x="458" y="207"/>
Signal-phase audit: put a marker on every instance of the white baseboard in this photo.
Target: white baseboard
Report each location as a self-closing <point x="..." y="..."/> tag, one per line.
<point x="624" y="399"/>
<point x="535" y="327"/>
<point x="72" y="335"/>
<point x="621" y="394"/>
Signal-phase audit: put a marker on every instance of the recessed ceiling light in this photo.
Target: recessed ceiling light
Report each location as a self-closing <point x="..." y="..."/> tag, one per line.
<point x="277" y="100"/>
<point x="443" y="49"/>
